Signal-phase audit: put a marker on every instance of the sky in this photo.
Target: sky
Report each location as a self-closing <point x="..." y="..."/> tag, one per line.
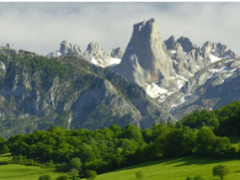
<point x="41" y="27"/>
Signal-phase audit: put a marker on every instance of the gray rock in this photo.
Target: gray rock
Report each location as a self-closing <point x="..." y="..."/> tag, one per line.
<point x="9" y="46"/>
<point x="212" y="87"/>
<point x="117" y="53"/>
<point x="185" y="43"/>
<point x="206" y="49"/>
<point x="91" y="97"/>
<point x="169" y="43"/>
<point x="93" y="48"/>
<point x="66" y="48"/>
<point x="146" y="45"/>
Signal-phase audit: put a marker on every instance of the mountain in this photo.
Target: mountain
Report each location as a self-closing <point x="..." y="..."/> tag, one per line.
<point x="145" y="60"/>
<point x="65" y="48"/>
<point x="176" y="73"/>
<point x="210" y="88"/>
<point x="93" y="53"/>
<point x="179" y="75"/>
<point x="37" y="92"/>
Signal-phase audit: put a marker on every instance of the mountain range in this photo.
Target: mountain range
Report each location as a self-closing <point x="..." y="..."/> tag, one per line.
<point x="152" y="81"/>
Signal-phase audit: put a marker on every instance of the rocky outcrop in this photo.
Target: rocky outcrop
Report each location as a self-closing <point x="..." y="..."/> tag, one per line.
<point x="206" y="49"/>
<point x="65" y="49"/>
<point x="186" y="44"/>
<point x="151" y="62"/>
<point x="210" y="88"/>
<point x="9" y="46"/>
<point x="94" y="50"/>
<point x="169" y="43"/>
<point x="117" y="53"/>
<point x="71" y="92"/>
<point x="99" y="57"/>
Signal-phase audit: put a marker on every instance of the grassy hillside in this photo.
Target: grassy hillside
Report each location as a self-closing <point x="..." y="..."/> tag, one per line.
<point x="171" y="169"/>
<point x="22" y="172"/>
<point x="175" y="169"/>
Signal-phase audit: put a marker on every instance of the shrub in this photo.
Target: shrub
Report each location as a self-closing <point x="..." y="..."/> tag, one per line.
<point x="62" y="177"/>
<point x="45" y="177"/>
<point x="91" y="175"/>
<point x="139" y="175"/>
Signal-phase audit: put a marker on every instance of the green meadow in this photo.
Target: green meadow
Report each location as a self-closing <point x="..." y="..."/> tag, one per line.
<point x="176" y="169"/>
<point x="22" y="172"/>
<point x="170" y="169"/>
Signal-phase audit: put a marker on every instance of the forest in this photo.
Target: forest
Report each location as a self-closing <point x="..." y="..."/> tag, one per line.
<point x="204" y="134"/>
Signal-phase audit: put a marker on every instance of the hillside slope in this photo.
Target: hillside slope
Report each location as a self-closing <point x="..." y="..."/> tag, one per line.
<point x="36" y="93"/>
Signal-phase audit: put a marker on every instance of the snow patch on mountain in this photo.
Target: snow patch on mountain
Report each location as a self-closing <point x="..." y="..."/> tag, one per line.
<point x="214" y="58"/>
<point x="154" y="90"/>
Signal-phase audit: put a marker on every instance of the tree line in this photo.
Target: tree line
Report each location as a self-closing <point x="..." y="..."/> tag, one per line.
<point x="107" y="149"/>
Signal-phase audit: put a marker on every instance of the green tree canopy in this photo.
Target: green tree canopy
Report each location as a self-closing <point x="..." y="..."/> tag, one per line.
<point x="220" y="171"/>
<point x="62" y="177"/>
<point x="91" y="175"/>
<point x="75" y="163"/>
<point x="45" y="177"/>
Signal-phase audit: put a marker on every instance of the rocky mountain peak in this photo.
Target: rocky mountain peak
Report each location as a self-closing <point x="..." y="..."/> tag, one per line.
<point x="147" y="46"/>
<point x="117" y="53"/>
<point x="169" y="43"/>
<point x="67" y="47"/>
<point x="186" y="44"/>
<point x="222" y="51"/>
<point x="206" y="49"/>
<point x="178" y="48"/>
<point x="8" y="45"/>
<point x="93" y="47"/>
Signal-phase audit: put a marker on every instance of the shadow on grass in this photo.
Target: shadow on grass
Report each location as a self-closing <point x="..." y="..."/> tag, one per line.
<point x="185" y="161"/>
<point x="5" y="155"/>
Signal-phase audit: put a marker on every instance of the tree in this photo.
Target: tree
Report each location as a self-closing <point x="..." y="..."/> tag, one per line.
<point x="220" y="171"/>
<point x="205" y="140"/>
<point x="75" y="163"/>
<point x="45" y="177"/>
<point x="62" y="177"/>
<point x="91" y="175"/>
<point x="3" y="146"/>
<point x="179" y="125"/>
<point x="133" y="132"/>
<point x="74" y="172"/>
<point x="188" y="178"/>
<point x="139" y="175"/>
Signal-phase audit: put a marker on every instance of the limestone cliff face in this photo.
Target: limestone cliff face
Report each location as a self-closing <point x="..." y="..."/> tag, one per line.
<point x="148" y="51"/>
<point x="37" y="93"/>
<point x="117" y="53"/>
<point x="65" y="48"/>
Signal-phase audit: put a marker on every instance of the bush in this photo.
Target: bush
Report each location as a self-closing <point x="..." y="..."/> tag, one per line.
<point x="139" y="175"/>
<point x="91" y="175"/>
<point x="45" y="177"/>
<point x="220" y="171"/>
<point x="62" y="177"/>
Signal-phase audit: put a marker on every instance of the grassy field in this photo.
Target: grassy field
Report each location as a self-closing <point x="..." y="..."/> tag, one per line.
<point x="171" y="169"/>
<point x="22" y="172"/>
<point x="175" y="169"/>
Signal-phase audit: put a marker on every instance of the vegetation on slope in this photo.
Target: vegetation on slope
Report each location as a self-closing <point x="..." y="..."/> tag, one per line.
<point x="224" y="121"/>
<point x="107" y="149"/>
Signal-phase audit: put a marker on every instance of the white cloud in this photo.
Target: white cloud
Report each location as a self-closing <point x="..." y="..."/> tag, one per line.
<point x="40" y="27"/>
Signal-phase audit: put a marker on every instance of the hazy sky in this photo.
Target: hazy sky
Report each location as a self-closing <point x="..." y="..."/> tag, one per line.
<point x="41" y="27"/>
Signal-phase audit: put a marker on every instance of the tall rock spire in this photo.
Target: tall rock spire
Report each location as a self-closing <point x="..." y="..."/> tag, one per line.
<point x="147" y="48"/>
